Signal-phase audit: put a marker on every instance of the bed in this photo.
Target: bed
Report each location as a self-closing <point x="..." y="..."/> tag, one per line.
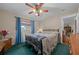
<point x="44" y="42"/>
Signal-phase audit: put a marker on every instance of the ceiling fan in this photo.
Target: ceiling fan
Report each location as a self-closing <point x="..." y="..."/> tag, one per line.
<point x="36" y="8"/>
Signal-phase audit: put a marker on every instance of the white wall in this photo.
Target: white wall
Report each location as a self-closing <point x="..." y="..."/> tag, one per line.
<point x="51" y="23"/>
<point x="7" y="21"/>
<point x="38" y="24"/>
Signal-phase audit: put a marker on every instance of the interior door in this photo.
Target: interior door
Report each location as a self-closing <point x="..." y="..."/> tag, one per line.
<point x="74" y="40"/>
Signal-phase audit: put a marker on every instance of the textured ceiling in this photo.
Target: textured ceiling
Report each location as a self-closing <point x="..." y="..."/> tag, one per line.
<point x="55" y="9"/>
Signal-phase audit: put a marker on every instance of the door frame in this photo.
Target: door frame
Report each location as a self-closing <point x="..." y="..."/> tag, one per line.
<point x="62" y="24"/>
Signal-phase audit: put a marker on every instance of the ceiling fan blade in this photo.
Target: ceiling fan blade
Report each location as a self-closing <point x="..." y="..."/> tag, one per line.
<point x="45" y="10"/>
<point x="30" y="12"/>
<point x="36" y="6"/>
<point x="29" y="5"/>
<point x="40" y="5"/>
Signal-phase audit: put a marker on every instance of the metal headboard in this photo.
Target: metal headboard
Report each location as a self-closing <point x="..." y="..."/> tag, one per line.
<point x="56" y="30"/>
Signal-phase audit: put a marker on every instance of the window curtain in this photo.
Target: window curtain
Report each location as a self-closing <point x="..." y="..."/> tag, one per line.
<point x="18" y="30"/>
<point x="32" y="26"/>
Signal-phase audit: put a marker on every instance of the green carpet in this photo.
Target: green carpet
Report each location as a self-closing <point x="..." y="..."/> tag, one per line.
<point x="21" y="49"/>
<point x="26" y="49"/>
<point x="61" y="49"/>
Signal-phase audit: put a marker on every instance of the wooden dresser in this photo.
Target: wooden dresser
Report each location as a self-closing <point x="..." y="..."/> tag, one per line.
<point x="74" y="44"/>
<point x="5" y="44"/>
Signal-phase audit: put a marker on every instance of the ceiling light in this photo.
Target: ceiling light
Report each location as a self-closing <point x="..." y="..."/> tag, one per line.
<point x="40" y="11"/>
<point x="37" y="3"/>
<point x="34" y="10"/>
<point x="36" y="14"/>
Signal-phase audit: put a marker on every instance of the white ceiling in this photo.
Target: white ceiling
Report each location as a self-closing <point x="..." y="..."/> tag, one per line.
<point x="54" y="9"/>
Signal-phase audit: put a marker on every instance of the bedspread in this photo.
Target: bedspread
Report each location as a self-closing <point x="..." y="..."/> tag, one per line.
<point x="43" y="44"/>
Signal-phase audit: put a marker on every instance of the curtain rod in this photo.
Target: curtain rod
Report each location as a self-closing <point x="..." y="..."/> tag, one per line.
<point x="22" y="18"/>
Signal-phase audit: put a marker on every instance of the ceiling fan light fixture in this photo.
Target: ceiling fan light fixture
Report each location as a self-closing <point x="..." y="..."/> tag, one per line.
<point x="36" y="14"/>
<point x="38" y="3"/>
<point x="40" y="11"/>
<point x="34" y="10"/>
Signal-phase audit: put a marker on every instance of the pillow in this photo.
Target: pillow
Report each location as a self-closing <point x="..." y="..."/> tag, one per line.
<point x="45" y="34"/>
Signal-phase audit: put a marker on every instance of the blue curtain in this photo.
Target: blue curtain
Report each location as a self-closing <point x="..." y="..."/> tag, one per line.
<point x="32" y="26"/>
<point x="18" y="30"/>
